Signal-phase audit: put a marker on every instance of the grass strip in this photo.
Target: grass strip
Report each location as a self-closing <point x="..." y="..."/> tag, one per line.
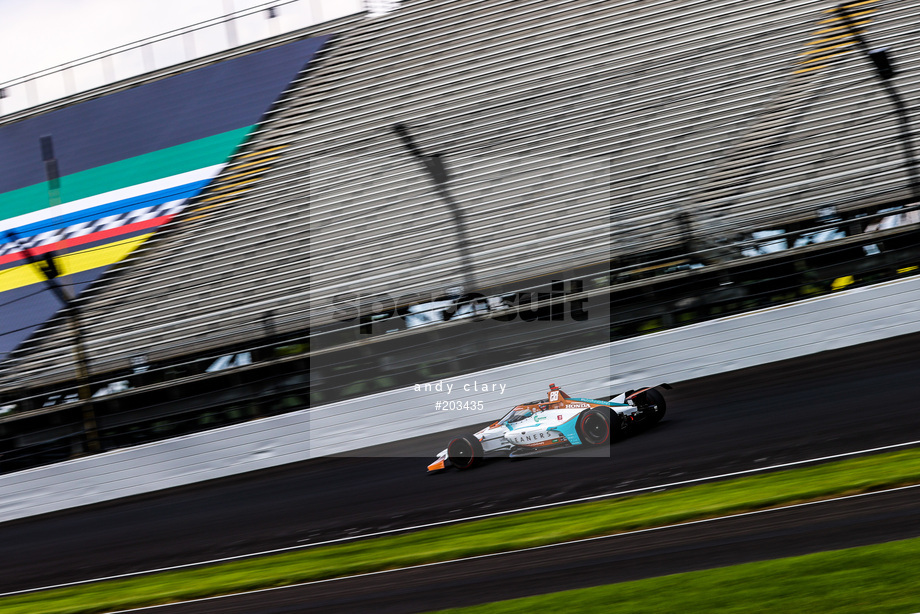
<point x="864" y="580"/>
<point x="484" y="536"/>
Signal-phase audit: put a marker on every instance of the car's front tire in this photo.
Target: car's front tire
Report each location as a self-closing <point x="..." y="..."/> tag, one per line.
<point x="464" y="452"/>
<point x="594" y="427"/>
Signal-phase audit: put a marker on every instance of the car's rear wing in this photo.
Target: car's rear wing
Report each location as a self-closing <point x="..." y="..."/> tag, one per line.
<point x="631" y="393"/>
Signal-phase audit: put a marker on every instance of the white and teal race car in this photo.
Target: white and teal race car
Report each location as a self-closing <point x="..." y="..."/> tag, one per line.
<point x="558" y="421"/>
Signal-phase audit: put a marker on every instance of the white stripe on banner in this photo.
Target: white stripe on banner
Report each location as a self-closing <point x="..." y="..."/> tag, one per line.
<point x="87" y="228"/>
<point x="201" y="174"/>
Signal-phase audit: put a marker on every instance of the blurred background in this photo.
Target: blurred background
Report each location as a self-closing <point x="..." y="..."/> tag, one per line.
<point x="243" y="244"/>
<point x="284" y="206"/>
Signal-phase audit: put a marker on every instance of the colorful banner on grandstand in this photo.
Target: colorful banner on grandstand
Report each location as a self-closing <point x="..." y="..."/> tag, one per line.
<point x="128" y="162"/>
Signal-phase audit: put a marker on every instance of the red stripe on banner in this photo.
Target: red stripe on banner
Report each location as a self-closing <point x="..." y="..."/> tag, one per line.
<point x="96" y="236"/>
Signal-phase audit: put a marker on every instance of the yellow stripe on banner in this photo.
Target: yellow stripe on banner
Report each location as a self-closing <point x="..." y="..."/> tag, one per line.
<point x="850" y="5"/>
<point x="821" y="59"/>
<point x="263" y="161"/>
<point x="826" y="30"/>
<point x="810" y="69"/>
<point x="851" y="16"/>
<point x="247" y="173"/>
<point x="237" y="184"/>
<point x="197" y="209"/>
<point x="219" y="196"/>
<point x="828" y="48"/>
<point x="77" y="262"/>
<point x="835" y="38"/>
<point x="262" y="151"/>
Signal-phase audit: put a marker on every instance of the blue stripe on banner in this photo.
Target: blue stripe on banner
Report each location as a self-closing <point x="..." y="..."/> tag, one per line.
<point x="24" y="309"/>
<point x="186" y="107"/>
<point x="181" y="192"/>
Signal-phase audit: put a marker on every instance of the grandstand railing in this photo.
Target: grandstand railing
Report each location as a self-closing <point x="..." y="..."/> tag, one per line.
<point x="651" y="219"/>
<point x="256" y="23"/>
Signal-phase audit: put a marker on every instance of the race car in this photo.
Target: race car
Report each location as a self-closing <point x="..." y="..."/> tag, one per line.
<point x="558" y="421"/>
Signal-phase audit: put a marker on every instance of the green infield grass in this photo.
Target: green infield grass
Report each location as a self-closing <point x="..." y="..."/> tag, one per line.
<point x="495" y="534"/>
<point x="865" y="580"/>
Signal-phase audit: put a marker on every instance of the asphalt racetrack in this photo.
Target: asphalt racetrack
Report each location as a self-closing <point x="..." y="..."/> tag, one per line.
<point x="777" y="533"/>
<point x="831" y="403"/>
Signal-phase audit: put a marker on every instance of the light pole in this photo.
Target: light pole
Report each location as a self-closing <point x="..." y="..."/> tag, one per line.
<point x="50" y="271"/>
<point x="885" y="72"/>
<point x="437" y="172"/>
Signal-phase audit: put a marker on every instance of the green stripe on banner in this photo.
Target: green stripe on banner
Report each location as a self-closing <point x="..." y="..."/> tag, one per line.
<point x="124" y="173"/>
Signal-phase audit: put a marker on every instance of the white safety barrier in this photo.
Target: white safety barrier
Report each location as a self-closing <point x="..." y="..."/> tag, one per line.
<point x="849" y="318"/>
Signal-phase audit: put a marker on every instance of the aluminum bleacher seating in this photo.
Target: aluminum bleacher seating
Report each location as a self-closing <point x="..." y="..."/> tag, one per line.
<point x="574" y="131"/>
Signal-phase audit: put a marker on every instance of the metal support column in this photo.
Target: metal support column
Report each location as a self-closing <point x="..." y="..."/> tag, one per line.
<point x="885" y="72"/>
<point x="437" y="172"/>
<point x="47" y="266"/>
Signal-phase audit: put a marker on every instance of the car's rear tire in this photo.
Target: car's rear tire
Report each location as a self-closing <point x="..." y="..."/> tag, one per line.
<point x="594" y="426"/>
<point x="619" y="427"/>
<point x="658" y="406"/>
<point x="464" y="452"/>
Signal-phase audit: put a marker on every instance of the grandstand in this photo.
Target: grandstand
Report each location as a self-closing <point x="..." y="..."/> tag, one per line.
<point x="598" y="149"/>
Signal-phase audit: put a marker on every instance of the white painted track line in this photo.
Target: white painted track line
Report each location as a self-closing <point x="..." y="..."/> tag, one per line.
<point x="530" y="549"/>
<point x="467" y="519"/>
